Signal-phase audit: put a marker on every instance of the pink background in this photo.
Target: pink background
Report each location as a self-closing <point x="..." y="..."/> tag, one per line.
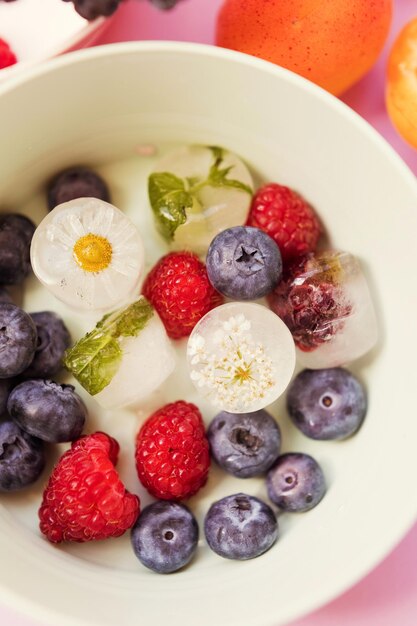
<point x="388" y="595"/>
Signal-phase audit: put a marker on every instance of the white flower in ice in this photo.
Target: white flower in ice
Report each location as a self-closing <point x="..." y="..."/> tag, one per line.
<point x="195" y="348"/>
<point x="238" y="372"/>
<point x="88" y="253"/>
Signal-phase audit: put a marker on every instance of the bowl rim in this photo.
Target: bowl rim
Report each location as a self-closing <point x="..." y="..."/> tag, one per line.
<point x="334" y="587"/>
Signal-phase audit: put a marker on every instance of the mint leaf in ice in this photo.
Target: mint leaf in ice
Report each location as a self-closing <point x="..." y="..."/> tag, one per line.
<point x="169" y="201"/>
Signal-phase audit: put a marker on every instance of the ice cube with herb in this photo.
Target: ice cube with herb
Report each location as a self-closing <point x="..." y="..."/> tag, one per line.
<point x="196" y="192"/>
<point x="124" y="358"/>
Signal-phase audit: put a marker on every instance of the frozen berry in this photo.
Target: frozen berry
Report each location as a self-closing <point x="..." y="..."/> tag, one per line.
<point x="22" y="457"/>
<point x="286" y="217"/>
<point x="240" y="527"/>
<point x="53" y="340"/>
<point x="244" y="444"/>
<point x="17" y="340"/>
<point x="76" y="182"/>
<point x="7" y="56"/>
<point x="296" y="482"/>
<point x="244" y="263"/>
<point x="179" y="289"/>
<point x="15" y="236"/>
<point x="327" y="404"/>
<point x="85" y="500"/>
<point x="311" y="302"/>
<point x="172" y="452"/>
<point x="165" y="536"/>
<point x="47" y="410"/>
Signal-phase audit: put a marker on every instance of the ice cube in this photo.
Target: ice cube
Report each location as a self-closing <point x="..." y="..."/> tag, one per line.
<point x="241" y="357"/>
<point x="88" y="254"/>
<point x="326" y="304"/>
<point x="221" y="202"/>
<point x="125" y="358"/>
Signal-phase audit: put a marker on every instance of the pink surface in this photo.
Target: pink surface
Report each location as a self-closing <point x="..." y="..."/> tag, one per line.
<point x="388" y="595"/>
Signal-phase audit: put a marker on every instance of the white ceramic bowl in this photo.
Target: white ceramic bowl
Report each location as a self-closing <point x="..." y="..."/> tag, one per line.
<point x="96" y="107"/>
<point x="39" y="29"/>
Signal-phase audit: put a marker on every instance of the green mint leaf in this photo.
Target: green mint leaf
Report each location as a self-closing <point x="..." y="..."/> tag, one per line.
<point x="169" y="201"/>
<point x="95" y="359"/>
<point x="218" y="177"/>
<point x="129" y="321"/>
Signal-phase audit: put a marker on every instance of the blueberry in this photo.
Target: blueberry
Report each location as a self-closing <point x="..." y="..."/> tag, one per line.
<point x="17" y="340"/>
<point x="53" y="340"/>
<point x="5" y="296"/>
<point x="244" y="263"/>
<point x="16" y="233"/>
<point x="22" y="458"/>
<point x="5" y="386"/>
<point x="91" y="9"/>
<point x="244" y="444"/>
<point x="76" y="182"/>
<point x="164" y="5"/>
<point x="47" y="410"/>
<point x="165" y="536"/>
<point x="240" y="527"/>
<point x="327" y="404"/>
<point x="296" y="482"/>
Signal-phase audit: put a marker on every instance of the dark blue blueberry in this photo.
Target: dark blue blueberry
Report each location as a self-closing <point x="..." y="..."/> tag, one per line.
<point x="91" y="9"/>
<point x="17" y="340"/>
<point x="5" y="296"/>
<point x="240" y="527"/>
<point x="47" y="410"/>
<point x="5" y="387"/>
<point x="244" y="263"/>
<point x="327" y="404"/>
<point x="165" y="536"/>
<point x="22" y="458"/>
<point x="296" y="482"/>
<point x="164" y="5"/>
<point x="244" y="444"/>
<point x="19" y="223"/>
<point x="76" y="182"/>
<point x="53" y="340"/>
<point x="16" y="233"/>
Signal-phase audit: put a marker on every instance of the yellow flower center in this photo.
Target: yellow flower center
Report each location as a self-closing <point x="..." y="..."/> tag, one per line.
<point x="93" y="253"/>
<point x="242" y="375"/>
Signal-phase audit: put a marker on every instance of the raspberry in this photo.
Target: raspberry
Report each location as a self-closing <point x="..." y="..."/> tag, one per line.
<point x="313" y="308"/>
<point x="172" y="452"/>
<point x="179" y="289"/>
<point x="7" y="56"/>
<point x="85" y="499"/>
<point x="286" y="217"/>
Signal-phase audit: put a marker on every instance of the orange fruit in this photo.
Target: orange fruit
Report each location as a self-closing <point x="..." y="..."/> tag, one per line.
<point x="332" y="42"/>
<point x="401" y="92"/>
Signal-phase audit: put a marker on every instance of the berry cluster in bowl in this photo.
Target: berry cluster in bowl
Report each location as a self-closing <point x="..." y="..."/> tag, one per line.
<point x="249" y="285"/>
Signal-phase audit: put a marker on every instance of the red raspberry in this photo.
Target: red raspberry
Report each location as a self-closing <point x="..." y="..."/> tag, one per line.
<point x="287" y="218"/>
<point x="85" y="499"/>
<point x="180" y="291"/>
<point x="172" y="452"/>
<point x="7" y="56"/>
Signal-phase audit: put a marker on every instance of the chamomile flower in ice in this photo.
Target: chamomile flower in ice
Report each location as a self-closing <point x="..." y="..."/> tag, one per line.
<point x="88" y="254"/>
<point x="241" y="357"/>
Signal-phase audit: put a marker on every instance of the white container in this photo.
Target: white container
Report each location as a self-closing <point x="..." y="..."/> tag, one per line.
<point x="97" y="106"/>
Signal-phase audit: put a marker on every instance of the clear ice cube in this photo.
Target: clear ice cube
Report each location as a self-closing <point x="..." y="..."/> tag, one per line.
<point x="88" y="254"/>
<point x="326" y="304"/>
<point x="148" y="360"/>
<point x="215" y="207"/>
<point x="241" y="357"/>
